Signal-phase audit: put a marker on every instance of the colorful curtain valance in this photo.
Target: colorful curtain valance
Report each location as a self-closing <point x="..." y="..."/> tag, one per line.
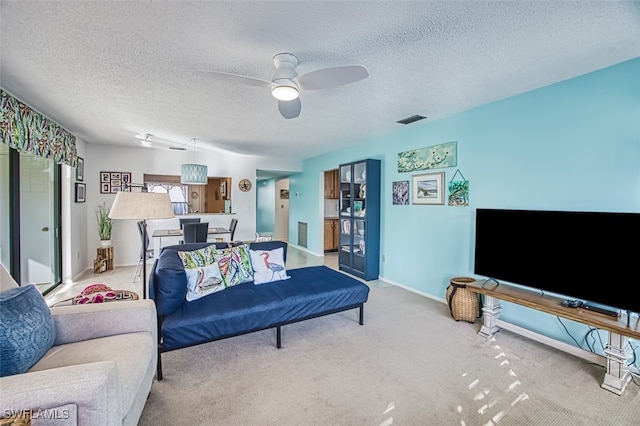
<point x="27" y="130"/>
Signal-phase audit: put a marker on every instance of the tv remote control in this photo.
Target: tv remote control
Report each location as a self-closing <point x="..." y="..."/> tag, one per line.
<point x="609" y="312"/>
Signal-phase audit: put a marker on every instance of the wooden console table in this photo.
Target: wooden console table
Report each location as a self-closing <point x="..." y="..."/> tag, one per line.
<point x="617" y="349"/>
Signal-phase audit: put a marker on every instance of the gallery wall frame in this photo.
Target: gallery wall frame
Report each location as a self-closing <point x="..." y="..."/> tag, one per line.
<point x="80" y="170"/>
<point x="400" y="191"/>
<point x="432" y="157"/>
<point x="458" y="190"/>
<point x="284" y="194"/>
<point x="81" y="192"/>
<point x="112" y="182"/>
<point x="428" y="189"/>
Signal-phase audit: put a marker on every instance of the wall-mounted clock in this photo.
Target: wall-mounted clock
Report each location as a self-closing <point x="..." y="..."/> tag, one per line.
<point x="244" y="185"/>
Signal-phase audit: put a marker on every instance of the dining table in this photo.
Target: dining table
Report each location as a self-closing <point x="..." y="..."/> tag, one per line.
<point x="173" y="236"/>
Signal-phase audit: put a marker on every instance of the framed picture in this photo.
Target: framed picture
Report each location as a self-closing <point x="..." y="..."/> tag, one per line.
<point x="113" y="182"/>
<point x="400" y="191"/>
<point x="80" y="169"/>
<point x="81" y="192"/>
<point x="428" y="189"/>
<point x="432" y="157"/>
<point x="284" y="194"/>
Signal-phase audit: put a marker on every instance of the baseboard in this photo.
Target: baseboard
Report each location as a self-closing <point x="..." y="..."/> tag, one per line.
<point x="413" y="290"/>
<point x="556" y="344"/>
<point x="306" y="250"/>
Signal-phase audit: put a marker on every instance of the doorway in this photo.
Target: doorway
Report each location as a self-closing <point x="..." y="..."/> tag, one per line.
<point x="330" y="225"/>
<point x="30" y="247"/>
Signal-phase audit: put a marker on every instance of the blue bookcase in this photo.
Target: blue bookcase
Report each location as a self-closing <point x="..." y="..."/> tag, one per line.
<point x="359" y="214"/>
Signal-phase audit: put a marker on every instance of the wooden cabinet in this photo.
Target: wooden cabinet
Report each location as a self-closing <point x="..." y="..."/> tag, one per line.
<point x="330" y="234"/>
<point x="359" y="215"/>
<point x="331" y="184"/>
<point x="217" y="195"/>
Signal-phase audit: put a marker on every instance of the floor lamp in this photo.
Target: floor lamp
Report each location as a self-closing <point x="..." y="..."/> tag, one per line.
<point x="142" y="206"/>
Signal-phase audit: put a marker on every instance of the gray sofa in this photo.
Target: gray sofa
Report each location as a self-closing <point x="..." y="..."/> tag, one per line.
<point x="99" y="371"/>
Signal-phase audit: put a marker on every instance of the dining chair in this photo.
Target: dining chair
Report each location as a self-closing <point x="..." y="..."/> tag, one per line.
<point x="187" y="220"/>
<point x="195" y="232"/>
<point x="145" y="252"/>
<point x="232" y="228"/>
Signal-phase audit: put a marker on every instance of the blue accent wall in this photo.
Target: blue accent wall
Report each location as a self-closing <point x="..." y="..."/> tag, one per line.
<point x="574" y="145"/>
<point x="265" y="205"/>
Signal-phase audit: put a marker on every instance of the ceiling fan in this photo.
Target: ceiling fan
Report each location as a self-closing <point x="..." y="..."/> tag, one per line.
<point x="286" y="84"/>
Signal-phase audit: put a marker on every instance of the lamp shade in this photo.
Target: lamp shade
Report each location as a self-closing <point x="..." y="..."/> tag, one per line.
<point x="141" y="206"/>
<point x="193" y="174"/>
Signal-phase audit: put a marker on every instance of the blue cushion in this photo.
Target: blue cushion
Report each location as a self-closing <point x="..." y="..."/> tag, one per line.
<point x="168" y="283"/>
<point x="168" y="279"/>
<point x="242" y="308"/>
<point x="27" y="330"/>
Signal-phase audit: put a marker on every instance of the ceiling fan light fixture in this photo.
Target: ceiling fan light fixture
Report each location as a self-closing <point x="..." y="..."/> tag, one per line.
<point x="144" y="139"/>
<point x="284" y="92"/>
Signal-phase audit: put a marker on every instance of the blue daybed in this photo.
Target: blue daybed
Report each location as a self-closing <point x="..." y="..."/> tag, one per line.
<point x="310" y="292"/>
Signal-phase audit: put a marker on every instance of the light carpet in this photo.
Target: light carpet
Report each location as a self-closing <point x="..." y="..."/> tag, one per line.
<point x="410" y="364"/>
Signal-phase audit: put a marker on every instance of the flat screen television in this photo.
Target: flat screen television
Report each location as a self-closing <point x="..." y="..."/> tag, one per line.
<point x="590" y="256"/>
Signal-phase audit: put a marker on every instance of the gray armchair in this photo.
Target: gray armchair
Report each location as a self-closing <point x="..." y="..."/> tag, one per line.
<point x="98" y="372"/>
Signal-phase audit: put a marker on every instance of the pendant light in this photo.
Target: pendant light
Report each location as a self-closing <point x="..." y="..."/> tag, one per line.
<point x="191" y="173"/>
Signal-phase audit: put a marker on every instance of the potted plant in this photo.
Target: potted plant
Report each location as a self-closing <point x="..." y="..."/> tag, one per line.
<point x="104" y="225"/>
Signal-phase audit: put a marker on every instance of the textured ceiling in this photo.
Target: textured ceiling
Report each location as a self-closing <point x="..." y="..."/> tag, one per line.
<point x="109" y="70"/>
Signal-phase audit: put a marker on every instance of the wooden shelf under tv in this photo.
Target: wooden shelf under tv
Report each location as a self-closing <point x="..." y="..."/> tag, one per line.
<point x="617" y="350"/>
<point x="552" y="305"/>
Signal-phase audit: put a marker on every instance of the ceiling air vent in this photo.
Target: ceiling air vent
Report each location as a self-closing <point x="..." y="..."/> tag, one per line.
<point x="411" y="119"/>
<point x="178" y="148"/>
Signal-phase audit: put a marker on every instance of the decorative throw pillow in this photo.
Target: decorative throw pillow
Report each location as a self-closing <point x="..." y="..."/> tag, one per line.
<point x="268" y="266"/>
<point x="235" y="265"/>
<point x="203" y="280"/>
<point x="27" y="330"/>
<point x="198" y="258"/>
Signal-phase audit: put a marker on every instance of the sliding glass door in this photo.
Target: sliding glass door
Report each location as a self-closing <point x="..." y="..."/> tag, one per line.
<point x="32" y="217"/>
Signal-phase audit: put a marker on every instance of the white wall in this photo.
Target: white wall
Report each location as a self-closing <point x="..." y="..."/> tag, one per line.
<point x="138" y="161"/>
<point x="76" y="255"/>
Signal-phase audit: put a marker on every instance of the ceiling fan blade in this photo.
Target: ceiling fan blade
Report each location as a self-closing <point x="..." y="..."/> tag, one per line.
<point x="290" y="109"/>
<point x="234" y="78"/>
<point x="332" y="77"/>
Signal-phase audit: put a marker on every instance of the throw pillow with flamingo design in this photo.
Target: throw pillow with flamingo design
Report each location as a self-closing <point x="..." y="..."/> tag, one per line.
<point x="268" y="265"/>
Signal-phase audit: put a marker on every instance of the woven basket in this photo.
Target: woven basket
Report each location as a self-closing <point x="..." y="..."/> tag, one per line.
<point x="463" y="303"/>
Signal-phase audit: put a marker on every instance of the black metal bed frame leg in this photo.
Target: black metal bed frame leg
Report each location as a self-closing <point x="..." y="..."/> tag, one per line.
<point x="278" y="337"/>
<point x="362" y="314"/>
<point x="159" y="366"/>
